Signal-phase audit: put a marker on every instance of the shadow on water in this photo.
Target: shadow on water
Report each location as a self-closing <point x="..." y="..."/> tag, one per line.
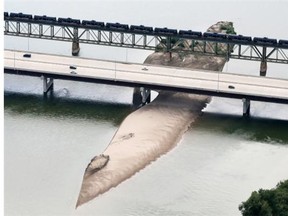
<point x="257" y="129"/>
<point x="66" y="108"/>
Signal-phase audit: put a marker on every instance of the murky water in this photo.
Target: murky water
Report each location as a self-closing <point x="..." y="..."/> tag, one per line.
<point x="217" y="164"/>
<point x="219" y="161"/>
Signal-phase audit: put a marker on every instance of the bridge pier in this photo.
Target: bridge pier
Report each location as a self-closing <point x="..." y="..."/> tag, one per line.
<point x="141" y="96"/>
<point x="47" y="84"/>
<point x="263" y="68"/>
<point x="246" y="107"/>
<point x="263" y="65"/>
<point x="146" y="95"/>
<point x="75" y="48"/>
<point x="75" y="43"/>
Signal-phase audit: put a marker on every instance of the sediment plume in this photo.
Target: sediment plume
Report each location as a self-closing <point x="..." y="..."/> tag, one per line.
<point x="150" y="131"/>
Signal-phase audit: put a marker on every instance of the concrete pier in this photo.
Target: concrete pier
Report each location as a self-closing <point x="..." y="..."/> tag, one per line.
<point x="263" y="68"/>
<point x="263" y="65"/>
<point x="146" y="95"/>
<point x="75" y="48"/>
<point x="246" y="107"/>
<point x="141" y="96"/>
<point x="75" y="43"/>
<point x="137" y="98"/>
<point x="47" y="84"/>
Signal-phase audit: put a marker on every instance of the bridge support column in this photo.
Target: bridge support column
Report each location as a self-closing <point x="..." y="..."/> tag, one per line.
<point x="47" y="84"/>
<point x="246" y="107"/>
<point x="141" y="96"/>
<point x="263" y="68"/>
<point x="263" y="65"/>
<point x="75" y="43"/>
<point x="169" y="47"/>
<point x="75" y="48"/>
<point x="137" y="99"/>
<point x="146" y="95"/>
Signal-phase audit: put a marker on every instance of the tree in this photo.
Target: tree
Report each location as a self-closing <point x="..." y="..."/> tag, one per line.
<point x="272" y="202"/>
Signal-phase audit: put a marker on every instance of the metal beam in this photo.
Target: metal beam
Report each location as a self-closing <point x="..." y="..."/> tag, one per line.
<point x="149" y="41"/>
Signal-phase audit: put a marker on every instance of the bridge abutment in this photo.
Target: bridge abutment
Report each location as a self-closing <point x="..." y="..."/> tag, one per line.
<point x="246" y="107"/>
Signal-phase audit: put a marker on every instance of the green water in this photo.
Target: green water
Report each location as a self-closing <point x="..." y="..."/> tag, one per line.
<point x="37" y="105"/>
<point x="253" y="128"/>
<point x="217" y="164"/>
<point x="221" y="159"/>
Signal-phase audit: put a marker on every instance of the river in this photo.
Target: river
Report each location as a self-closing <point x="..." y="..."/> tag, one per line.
<point x="216" y="165"/>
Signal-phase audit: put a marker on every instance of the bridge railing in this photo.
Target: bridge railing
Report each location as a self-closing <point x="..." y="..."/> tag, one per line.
<point x="148" y="38"/>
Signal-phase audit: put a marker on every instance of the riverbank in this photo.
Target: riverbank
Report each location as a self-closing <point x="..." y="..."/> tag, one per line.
<point x="152" y="130"/>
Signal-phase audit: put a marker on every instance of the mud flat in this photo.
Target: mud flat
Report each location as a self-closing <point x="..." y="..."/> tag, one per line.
<point x="150" y="131"/>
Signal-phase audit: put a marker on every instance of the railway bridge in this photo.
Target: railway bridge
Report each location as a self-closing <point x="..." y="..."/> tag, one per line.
<point x="229" y="46"/>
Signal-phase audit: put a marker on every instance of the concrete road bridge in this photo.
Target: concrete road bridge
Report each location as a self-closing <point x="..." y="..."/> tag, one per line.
<point x="146" y="77"/>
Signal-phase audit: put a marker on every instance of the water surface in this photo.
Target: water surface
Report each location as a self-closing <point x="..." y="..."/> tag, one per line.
<point x="217" y="164"/>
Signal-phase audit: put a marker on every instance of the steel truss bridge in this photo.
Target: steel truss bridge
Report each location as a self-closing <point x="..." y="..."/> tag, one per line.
<point x="166" y="40"/>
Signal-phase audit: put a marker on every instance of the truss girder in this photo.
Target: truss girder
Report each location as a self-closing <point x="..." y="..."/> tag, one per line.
<point x="146" y="41"/>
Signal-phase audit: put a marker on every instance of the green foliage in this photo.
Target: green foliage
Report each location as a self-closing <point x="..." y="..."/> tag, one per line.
<point x="272" y="202"/>
<point x="173" y="40"/>
<point x="164" y="43"/>
<point x="229" y="28"/>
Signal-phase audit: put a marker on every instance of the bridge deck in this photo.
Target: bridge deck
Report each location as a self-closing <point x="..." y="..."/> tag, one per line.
<point x="154" y="77"/>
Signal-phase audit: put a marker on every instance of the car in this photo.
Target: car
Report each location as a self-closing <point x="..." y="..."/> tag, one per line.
<point x="141" y="29"/>
<point x="239" y="38"/>
<point x="93" y="23"/>
<point x="69" y="21"/>
<point x="190" y="34"/>
<point x="45" y="19"/>
<point x="231" y="87"/>
<point x="72" y="67"/>
<point x="21" y="16"/>
<point x="117" y="26"/>
<point x="283" y="43"/>
<point x="165" y="31"/>
<point x="27" y="55"/>
<point x="214" y="35"/>
<point x="264" y="41"/>
<point x="73" y="72"/>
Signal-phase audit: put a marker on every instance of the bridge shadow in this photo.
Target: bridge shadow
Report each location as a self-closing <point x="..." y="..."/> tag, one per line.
<point x="52" y="106"/>
<point x="253" y="128"/>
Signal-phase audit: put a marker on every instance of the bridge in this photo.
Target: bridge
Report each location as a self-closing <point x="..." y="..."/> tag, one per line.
<point x="147" y="77"/>
<point x="76" y="31"/>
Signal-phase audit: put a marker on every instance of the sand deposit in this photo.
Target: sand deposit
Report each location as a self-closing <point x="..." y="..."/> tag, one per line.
<point x="150" y="131"/>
